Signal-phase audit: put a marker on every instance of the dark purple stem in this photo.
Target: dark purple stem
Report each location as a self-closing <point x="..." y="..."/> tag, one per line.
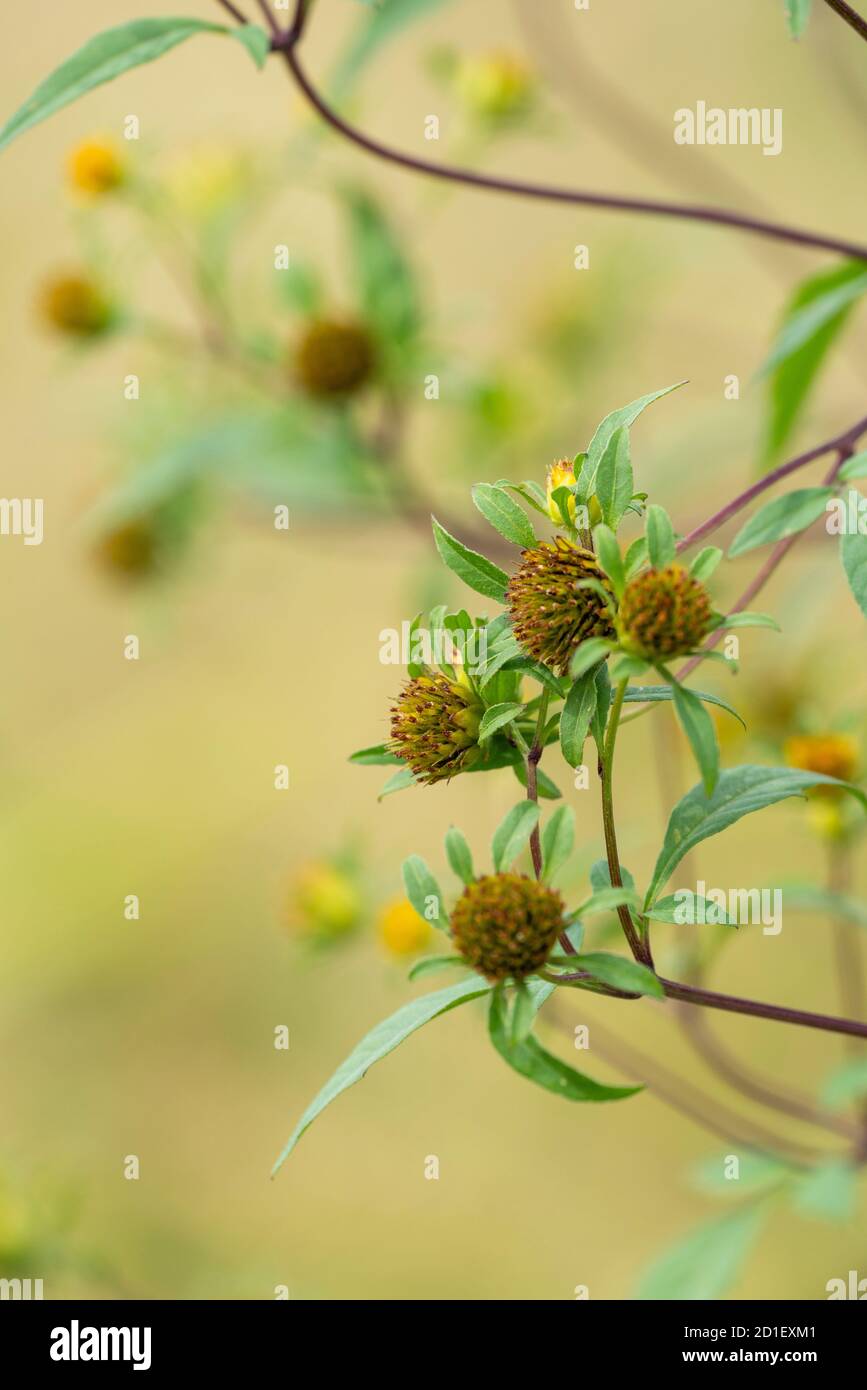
<point x="850" y="16"/>
<point x="233" y="11"/>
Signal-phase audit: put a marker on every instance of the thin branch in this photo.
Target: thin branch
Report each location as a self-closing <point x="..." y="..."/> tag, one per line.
<point x="850" y="16"/>
<point x="731" y="1003"/>
<point x="233" y="11"/>
<point x="270" y="19"/>
<point x="534" y="757"/>
<point x="842" y="441"/>
<point x="550" y="193"/>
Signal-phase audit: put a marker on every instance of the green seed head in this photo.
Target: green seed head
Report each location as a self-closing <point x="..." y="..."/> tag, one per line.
<point x="505" y="925"/>
<point x="435" y="726"/>
<point x="551" y="615"/>
<point x="664" y="613"/>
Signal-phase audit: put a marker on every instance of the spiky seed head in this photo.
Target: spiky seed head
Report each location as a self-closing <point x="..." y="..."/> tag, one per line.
<point x="435" y="726"/>
<point x="505" y="925"/>
<point x="551" y="615"/>
<point x="664" y="613"/>
<point x="560" y="474"/>
<point x="76" y="305"/>
<point x="833" y="755"/>
<point x="334" y="359"/>
<point x="95" y="167"/>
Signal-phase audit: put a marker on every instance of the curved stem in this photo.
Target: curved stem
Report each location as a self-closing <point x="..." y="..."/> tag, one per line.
<point x="606" y="774"/>
<point x="233" y="11"/>
<point x="287" y="45"/>
<point x="849" y="16"/>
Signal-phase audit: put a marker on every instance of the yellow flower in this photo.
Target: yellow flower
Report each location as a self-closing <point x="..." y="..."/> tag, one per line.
<point x="833" y="755"/>
<point x="326" y="901"/>
<point x="497" y="87"/>
<point x="95" y="167"/>
<point x="401" y="930"/>
<point x="560" y="474"/>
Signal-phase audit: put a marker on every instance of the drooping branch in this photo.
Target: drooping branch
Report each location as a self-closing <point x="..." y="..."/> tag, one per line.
<point x="849" y="16"/>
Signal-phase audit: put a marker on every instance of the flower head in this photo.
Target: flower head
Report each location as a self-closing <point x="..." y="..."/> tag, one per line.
<point x="76" y="305"/>
<point x="560" y="474"/>
<point x="551" y="615"/>
<point x="95" y="167"/>
<point x="663" y="613"/>
<point x="435" y="725"/>
<point x="334" y="359"/>
<point x="326" y="902"/>
<point x="130" y="550"/>
<point x="505" y="925"/>
<point x="832" y="755"/>
<point x="401" y="930"/>
<point x="497" y="87"/>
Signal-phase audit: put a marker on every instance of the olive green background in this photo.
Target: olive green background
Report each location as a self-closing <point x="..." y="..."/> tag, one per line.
<point x="155" y="777"/>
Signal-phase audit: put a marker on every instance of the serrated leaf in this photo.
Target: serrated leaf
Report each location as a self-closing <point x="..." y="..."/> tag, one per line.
<point x="475" y="570"/>
<point x="739" y="792"/>
<point x="621" y="973"/>
<point x="575" y="718"/>
<point x="661" y="550"/>
<point x="558" y="840"/>
<point x="530" y="1060"/>
<point x="853" y="553"/>
<point x="384" y="1038"/>
<point x="103" y="58"/>
<point x="424" y="893"/>
<point x="459" y="855"/>
<point x="496" y="717"/>
<point x="504" y="514"/>
<point x="784" y="516"/>
<point x="513" y="832"/>
<point x="706" y="1263"/>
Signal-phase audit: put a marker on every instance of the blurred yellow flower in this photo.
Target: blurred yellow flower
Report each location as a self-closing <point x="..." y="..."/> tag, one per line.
<point x="833" y="755"/>
<point x="206" y="180"/>
<point x="96" y="167"/>
<point x="326" y="902"/>
<point x="76" y="305"/>
<point x="827" y="818"/>
<point x="497" y="87"/>
<point x="560" y="474"/>
<point x="401" y="930"/>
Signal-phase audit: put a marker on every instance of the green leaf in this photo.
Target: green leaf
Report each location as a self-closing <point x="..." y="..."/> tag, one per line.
<point x="755" y="1173"/>
<point x="379" y="755"/>
<point x="829" y="1193"/>
<point x="614" y="484"/>
<point x="604" y="697"/>
<point x="706" y="1263"/>
<point x="104" y="57"/>
<point x="430" y="964"/>
<point x="496" y="717"/>
<point x="558" y="840"/>
<point x="798" y="366"/>
<point x="513" y="832"/>
<point x="523" y="1015"/>
<point x="600" y="876"/>
<point x="856" y="467"/>
<point x="733" y="620"/>
<point x="575" y="718"/>
<point x="256" y="42"/>
<point x="301" y="288"/>
<point x="530" y="1060"/>
<point x="661" y="549"/>
<point x="477" y="572"/>
<point x="702" y="911"/>
<point x="386" y="286"/>
<point x="504" y="514"/>
<point x="589" y="654"/>
<point x="785" y="516"/>
<point x="807" y="897"/>
<point x="398" y="783"/>
<point x="853" y="553"/>
<point x="797" y="14"/>
<point x="653" y="694"/>
<point x="699" y="729"/>
<point x="625" y="416"/>
<point x="545" y="788"/>
<point x="385" y="21"/>
<point x="610" y="558"/>
<point x="459" y="855"/>
<point x="739" y="792"/>
<point x="384" y="1038"/>
<point x="621" y="973"/>
<point x="705" y="563"/>
<point x="423" y="892"/>
<point x="607" y="898"/>
<point x="845" y="1085"/>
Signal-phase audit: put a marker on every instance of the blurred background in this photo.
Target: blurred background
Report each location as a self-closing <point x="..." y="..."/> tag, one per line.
<point x="261" y="646"/>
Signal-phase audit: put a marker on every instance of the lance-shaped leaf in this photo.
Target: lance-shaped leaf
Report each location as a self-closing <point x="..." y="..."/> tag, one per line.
<point x="699" y="729"/>
<point x="385" y="282"/>
<point x="625" y="416"/>
<point x="423" y="892"/>
<point x="797" y="14"/>
<point x="459" y="855"/>
<point x="707" y="1262"/>
<point x="531" y="1060"/>
<point x="739" y="792"/>
<point x="504" y="514"/>
<point x="379" y="755"/>
<point x="686" y="908"/>
<point x="475" y="570"/>
<point x="558" y="840"/>
<point x="853" y="553"/>
<point x="652" y="694"/>
<point x="661" y="548"/>
<point x="575" y="718"/>
<point x="785" y="516"/>
<point x="621" y="973"/>
<point x="384" y="1038"/>
<point x="614" y="486"/>
<point x="496" y="717"/>
<point x="513" y="832"/>
<point x="101" y="59"/>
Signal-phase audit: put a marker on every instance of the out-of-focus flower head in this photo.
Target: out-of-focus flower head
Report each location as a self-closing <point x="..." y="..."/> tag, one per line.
<point x="497" y="88"/>
<point x="77" y="305"/>
<point x="334" y="358"/>
<point x="400" y="929"/>
<point x="95" y="167"/>
<point x="207" y="180"/>
<point x="325" y="902"/>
